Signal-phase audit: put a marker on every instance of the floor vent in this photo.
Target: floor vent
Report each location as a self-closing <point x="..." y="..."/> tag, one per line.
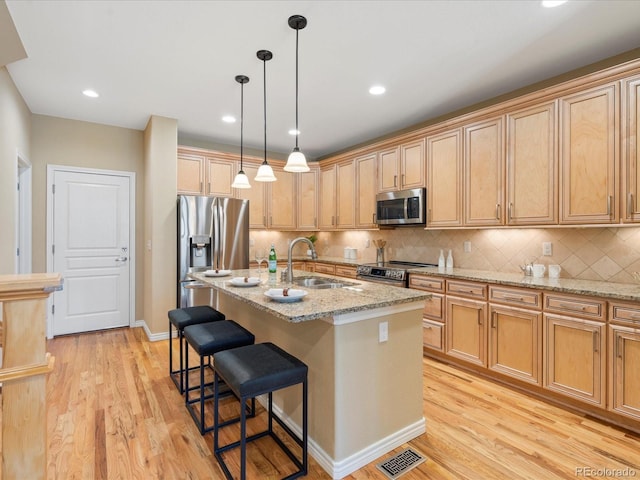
<point x="400" y="463"/>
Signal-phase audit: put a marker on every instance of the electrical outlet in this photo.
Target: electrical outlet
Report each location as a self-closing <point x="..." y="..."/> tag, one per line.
<point x="547" y="249"/>
<point x="252" y="242"/>
<point x="467" y="246"/>
<point x="367" y="243"/>
<point x="383" y="332"/>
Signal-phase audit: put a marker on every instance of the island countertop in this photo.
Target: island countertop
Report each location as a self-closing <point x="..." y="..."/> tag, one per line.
<point x="318" y="303"/>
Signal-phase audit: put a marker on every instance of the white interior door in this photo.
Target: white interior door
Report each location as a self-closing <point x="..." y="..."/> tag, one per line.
<point x="91" y="250"/>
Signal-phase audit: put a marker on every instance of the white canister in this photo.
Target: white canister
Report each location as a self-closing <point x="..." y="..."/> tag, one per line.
<point x="353" y="253"/>
<point x="347" y="252"/>
<point x="538" y="270"/>
<point x="554" y="271"/>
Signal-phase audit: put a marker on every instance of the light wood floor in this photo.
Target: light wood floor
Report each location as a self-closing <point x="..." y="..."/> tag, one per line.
<point x="114" y="413"/>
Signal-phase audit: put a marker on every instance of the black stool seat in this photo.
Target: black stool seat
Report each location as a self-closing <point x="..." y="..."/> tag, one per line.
<point x="181" y="318"/>
<point x="207" y="339"/>
<point x="262" y="368"/>
<point x="251" y="371"/>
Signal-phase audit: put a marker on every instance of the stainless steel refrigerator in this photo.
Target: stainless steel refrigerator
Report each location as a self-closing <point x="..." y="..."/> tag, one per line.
<point x="213" y="233"/>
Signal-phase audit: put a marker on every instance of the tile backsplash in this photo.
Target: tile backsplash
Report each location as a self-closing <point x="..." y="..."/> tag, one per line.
<point x="609" y="254"/>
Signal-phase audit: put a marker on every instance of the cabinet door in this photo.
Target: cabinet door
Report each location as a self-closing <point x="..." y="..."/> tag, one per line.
<point x="574" y="363"/>
<point x="307" y="210"/>
<point x="514" y="347"/>
<point x="483" y="160"/>
<point x="444" y="179"/>
<point x="624" y="389"/>
<point x="532" y="178"/>
<point x="630" y="151"/>
<point x="366" y="177"/>
<point x="257" y="196"/>
<point x="465" y="330"/>
<point x="388" y="162"/>
<point x="328" y="197"/>
<point x="412" y="165"/>
<point x="220" y="174"/>
<point x="346" y="181"/>
<point x="190" y="174"/>
<point x="588" y="156"/>
<point x="282" y="201"/>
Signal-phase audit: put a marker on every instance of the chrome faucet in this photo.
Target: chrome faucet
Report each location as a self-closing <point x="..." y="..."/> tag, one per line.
<point x="314" y="255"/>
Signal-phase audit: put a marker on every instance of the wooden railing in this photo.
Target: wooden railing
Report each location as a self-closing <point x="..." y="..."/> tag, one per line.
<point x="25" y="364"/>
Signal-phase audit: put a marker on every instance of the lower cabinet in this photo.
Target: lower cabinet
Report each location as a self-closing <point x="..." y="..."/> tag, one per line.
<point x="433" y="328"/>
<point x="574" y="358"/>
<point x="624" y="359"/>
<point x="466" y="330"/>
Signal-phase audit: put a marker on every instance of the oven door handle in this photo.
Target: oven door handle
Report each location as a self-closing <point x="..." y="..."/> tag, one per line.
<point x="396" y="283"/>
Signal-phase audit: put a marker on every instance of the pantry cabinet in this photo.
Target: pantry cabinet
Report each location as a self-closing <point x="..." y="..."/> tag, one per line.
<point x="588" y="156"/>
<point x="444" y="179"/>
<point x="630" y="207"/>
<point x="483" y="167"/>
<point x="401" y="167"/>
<point x="532" y="167"/>
<point x="624" y="359"/>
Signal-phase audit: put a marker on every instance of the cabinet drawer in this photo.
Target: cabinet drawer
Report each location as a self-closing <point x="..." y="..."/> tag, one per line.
<point x="467" y="289"/>
<point x="432" y="284"/>
<point x="516" y="297"/>
<point x="572" y="305"/>
<point x="349" y="272"/>
<point x="625" y="313"/>
<point x="325" y="268"/>
<point x="434" y="307"/>
<point x="432" y="335"/>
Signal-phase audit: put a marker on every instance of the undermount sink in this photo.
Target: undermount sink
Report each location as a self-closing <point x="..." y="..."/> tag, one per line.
<point x="320" y="282"/>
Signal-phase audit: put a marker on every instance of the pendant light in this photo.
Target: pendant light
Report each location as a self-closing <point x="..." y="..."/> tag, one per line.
<point x="241" y="180"/>
<point x="265" y="172"/>
<point x="297" y="161"/>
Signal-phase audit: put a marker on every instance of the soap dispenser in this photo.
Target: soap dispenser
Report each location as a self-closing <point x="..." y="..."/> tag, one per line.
<point x="441" y="260"/>
<point x="449" y="261"/>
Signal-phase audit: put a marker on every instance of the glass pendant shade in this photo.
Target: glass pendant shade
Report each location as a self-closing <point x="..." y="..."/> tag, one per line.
<point x="241" y="181"/>
<point x="296" y="162"/>
<point x="265" y="173"/>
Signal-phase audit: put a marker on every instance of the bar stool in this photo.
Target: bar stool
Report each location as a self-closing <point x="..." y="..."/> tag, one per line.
<point x="251" y="371"/>
<point x="181" y="318"/>
<point x="207" y="339"/>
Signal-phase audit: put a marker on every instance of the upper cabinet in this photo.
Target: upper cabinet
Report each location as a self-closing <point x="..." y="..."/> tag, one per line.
<point x="220" y="173"/>
<point x="532" y="167"/>
<point x="444" y="179"/>
<point x="366" y="188"/>
<point x="630" y="205"/>
<point x="257" y="196"/>
<point x="282" y="200"/>
<point x="307" y="199"/>
<point x="190" y="173"/>
<point x="483" y="166"/>
<point x="588" y="156"/>
<point x="401" y="167"/>
<point x="327" y="198"/>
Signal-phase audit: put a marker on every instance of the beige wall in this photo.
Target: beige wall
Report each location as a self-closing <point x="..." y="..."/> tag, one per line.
<point x="15" y="133"/>
<point x="57" y="141"/>
<point x="160" y="231"/>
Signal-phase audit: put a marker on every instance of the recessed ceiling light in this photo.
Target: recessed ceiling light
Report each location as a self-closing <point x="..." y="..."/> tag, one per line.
<point x="552" y="3"/>
<point x="377" y="90"/>
<point x="90" y="93"/>
<point x="229" y="119"/>
<point x="293" y="131"/>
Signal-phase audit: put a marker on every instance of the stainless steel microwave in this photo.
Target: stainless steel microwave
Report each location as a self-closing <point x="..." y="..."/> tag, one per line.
<point x="404" y="207"/>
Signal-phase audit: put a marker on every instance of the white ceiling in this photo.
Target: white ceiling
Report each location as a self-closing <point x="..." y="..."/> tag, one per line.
<point x="179" y="58"/>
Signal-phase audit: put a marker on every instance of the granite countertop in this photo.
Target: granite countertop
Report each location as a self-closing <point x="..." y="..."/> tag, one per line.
<point x="618" y="291"/>
<point x="318" y="303"/>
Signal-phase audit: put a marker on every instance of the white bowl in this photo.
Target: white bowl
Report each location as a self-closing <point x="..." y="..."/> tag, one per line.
<point x="217" y="273"/>
<point x="244" y="281"/>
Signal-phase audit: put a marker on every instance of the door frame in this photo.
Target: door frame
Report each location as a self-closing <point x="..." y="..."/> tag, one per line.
<point x="51" y="170"/>
<point x="23" y="214"/>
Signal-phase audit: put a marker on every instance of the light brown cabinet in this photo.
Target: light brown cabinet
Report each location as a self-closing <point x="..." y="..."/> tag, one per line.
<point x="401" y="167"/>
<point x="282" y="200"/>
<point x="345" y="271"/>
<point x="219" y="174"/>
<point x="588" y="156"/>
<point x="624" y="359"/>
<point x="466" y="321"/>
<point x="307" y="200"/>
<point x="337" y="187"/>
<point x="433" y="328"/>
<point x="190" y="174"/>
<point x="366" y="173"/>
<point x="327" y="198"/>
<point x="257" y="196"/>
<point x="205" y="173"/>
<point x="573" y="345"/>
<point x="630" y="197"/>
<point x="483" y="173"/>
<point x="444" y="179"/>
<point x="515" y="332"/>
<point x="532" y="167"/>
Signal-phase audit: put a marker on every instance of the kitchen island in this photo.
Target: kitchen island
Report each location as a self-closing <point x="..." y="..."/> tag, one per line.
<point x="365" y="395"/>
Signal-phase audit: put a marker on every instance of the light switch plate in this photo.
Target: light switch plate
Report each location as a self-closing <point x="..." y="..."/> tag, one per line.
<point x="467" y="246"/>
<point x="383" y="332"/>
<point x="547" y="249"/>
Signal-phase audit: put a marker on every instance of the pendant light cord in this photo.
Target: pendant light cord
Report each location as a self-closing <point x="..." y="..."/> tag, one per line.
<point x="297" y="130"/>
<point x="264" y="65"/>
<point x="241" y="122"/>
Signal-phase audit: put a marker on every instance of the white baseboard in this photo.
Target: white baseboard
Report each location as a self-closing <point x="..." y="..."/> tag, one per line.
<point x="153" y="337"/>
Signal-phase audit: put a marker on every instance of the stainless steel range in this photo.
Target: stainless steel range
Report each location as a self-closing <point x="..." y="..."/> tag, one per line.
<point x="393" y="273"/>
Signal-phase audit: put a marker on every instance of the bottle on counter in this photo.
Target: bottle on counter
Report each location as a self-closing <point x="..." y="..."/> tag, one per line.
<point x="449" y="261"/>
<point x="273" y="262"/>
<point x="441" y="260"/>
